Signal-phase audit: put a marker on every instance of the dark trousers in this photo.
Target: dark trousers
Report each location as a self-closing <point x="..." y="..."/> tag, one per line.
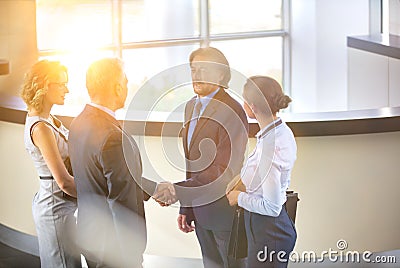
<point x="267" y="236"/>
<point x="214" y="248"/>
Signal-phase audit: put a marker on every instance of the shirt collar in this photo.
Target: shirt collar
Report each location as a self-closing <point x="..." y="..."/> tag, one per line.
<point x="206" y="99"/>
<point x="105" y="109"/>
<point x="263" y="132"/>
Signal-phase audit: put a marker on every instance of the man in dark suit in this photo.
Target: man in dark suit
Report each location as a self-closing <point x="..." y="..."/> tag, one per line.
<point x="111" y="220"/>
<point x="214" y="139"/>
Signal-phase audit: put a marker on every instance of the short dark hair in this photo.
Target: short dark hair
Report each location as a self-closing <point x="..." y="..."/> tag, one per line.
<point x="214" y="55"/>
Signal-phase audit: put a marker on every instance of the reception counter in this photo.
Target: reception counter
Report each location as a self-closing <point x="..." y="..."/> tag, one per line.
<point x="346" y="174"/>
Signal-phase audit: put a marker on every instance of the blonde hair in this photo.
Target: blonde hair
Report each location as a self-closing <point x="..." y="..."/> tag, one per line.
<point x="36" y="80"/>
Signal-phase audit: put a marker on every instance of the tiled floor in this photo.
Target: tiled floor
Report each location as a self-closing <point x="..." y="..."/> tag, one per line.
<point x="12" y="258"/>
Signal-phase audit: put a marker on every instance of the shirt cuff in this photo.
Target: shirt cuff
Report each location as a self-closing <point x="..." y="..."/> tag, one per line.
<point x="241" y="198"/>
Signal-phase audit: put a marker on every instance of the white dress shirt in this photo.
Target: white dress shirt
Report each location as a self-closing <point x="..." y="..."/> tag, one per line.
<point x="266" y="173"/>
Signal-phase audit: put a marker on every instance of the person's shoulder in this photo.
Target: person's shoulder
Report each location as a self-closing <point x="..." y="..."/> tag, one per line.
<point x="236" y="107"/>
<point x="190" y="101"/>
<point x="41" y="131"/>
<point x="89" y="121"/>
<point x="232" y="102"/>
<point x="79" y="117"/>
<point x="285" y="135"/>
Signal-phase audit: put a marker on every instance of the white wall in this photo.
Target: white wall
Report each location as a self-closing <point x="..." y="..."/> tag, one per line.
<point x="319" y="51"/>
<point x="368" y="83"/>
<point x="17" y="41"/>
<point x="373" y="80"/>
<point x="304" y="58"/>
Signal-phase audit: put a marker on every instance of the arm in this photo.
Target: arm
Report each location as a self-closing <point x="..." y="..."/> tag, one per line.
<point x="149" y="188"/>
<point x="43" y="138"/>
<point x="273" y="172"/>
<point x="267" y="204"/>
<point x="278" y="160"/>
<point x="229" y="151"/>
<point x="123" y="182"/>
<point x="123" y="194"/>
<point x="272" y="199"/>
<point x="231" y="140"/>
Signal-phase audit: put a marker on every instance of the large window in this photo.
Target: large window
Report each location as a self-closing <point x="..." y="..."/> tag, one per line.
<point x="152" y="36"/>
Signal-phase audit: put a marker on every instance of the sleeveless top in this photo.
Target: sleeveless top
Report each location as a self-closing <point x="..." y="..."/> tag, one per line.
<point x="60" y="134"/>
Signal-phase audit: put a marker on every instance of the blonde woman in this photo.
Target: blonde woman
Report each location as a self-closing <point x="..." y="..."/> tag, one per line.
<point x="46" y="141"/>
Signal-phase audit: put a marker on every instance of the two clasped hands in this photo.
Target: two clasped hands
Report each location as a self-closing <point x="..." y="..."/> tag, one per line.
<point x="165" y="193"/>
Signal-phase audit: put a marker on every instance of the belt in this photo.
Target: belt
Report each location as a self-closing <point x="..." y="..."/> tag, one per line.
<point x="66" y="196"/>
<point x="46" y="177"/>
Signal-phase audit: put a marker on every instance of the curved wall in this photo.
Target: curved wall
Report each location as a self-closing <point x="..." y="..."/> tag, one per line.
<point x="347" y="187"/>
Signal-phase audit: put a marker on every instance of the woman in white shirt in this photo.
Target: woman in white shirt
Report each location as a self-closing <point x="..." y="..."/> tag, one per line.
<point x="45" y="139"/>
<point x="266" y="176"/>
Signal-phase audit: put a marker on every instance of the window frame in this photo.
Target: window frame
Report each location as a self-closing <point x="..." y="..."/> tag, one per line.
<point x="202" y="40"/>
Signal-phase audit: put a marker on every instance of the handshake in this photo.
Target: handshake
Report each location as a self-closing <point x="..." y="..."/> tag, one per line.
<point x="165" y="194"/>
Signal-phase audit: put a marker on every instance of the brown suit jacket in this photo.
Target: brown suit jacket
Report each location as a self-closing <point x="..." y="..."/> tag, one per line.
<point x="214" y="157"/>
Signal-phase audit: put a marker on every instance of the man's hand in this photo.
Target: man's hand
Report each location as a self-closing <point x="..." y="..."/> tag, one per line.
<point x="183" y="225"/>
<point x="165" y="194"/>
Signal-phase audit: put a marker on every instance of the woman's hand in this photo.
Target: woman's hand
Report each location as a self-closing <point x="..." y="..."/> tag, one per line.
<point x="233" y="197"/>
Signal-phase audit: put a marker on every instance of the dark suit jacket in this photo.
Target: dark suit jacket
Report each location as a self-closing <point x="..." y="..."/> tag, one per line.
<point x="214" y="157"/>
<point x="110" y="202"/>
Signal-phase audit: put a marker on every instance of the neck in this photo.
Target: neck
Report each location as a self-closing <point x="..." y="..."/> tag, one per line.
<point x="45" y="113"/>
<point x="264" y="120"/>
<point x="106" y="104"/>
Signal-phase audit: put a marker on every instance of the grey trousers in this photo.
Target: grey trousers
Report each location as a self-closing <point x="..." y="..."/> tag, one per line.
<point x="214" y="248"/>
<point x="53" y="213"/>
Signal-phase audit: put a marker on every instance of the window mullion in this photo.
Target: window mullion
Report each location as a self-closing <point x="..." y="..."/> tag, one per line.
<point x="286" y="49"/>
<point x="117" y="26"/>
<point x="204" y="23"/>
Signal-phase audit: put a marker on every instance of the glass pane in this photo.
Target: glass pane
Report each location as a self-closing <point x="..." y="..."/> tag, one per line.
<point x="258" y="56"/>
<point x="162" y="69"/>
<point x="73" y="24"/>
<point x="228" y="16"/>
<point x="77" y="65"/>
<point x="156" y="20"/>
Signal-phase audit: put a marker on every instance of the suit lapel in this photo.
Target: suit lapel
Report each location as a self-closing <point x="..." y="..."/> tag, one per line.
<point x="208" y="113"/>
